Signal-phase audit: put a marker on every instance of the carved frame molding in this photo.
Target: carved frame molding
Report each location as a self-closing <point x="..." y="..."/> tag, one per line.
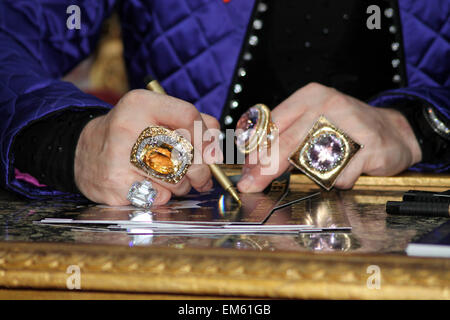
<point x="221" y="272"/>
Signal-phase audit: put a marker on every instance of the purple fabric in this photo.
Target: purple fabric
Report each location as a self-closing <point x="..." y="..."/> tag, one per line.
<point x="191" y="46"/>
<point x="36" y="49"/>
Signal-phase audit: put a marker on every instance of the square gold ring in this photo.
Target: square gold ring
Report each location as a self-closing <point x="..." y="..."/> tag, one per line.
<point x="324" y="153"/>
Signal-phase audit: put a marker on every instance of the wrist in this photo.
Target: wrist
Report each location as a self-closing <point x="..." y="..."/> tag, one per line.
<point x="406" y="132"/>
<point x="87" y="146"/>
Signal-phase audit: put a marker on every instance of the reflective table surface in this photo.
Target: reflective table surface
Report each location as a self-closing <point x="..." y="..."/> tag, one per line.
<point x="373" y="231"/>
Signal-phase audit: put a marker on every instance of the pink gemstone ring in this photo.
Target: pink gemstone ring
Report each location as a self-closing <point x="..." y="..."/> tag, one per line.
<point x="255" y="128"/>
<point x="324" y="153"/>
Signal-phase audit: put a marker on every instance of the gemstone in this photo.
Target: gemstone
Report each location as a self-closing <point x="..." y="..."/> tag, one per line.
<point x="142" y="194"/>
<point x="162" y="153"/>
<point x="160" y="158"/>
<point x="246" y="126"/>
<point x="325" y="152"/>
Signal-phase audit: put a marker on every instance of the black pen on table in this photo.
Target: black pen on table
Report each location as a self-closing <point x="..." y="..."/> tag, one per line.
<point x="421" y="203"/>
<point x="221" y="177"/>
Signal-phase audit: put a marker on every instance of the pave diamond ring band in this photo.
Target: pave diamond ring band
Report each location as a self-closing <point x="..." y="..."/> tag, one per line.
<point x="142" y="194"/>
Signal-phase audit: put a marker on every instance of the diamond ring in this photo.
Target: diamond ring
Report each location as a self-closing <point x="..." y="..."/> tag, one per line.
<point x="324" y="153"/>
<point x="142" y="194"/>
<point x="162" y="154"/>
<point x="255" y="128"/>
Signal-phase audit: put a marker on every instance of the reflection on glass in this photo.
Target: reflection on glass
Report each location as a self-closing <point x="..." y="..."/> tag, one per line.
<point x="325" y="241"/>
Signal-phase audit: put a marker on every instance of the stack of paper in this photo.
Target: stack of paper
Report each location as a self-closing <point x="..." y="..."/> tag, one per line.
<point x="213" y="212"/>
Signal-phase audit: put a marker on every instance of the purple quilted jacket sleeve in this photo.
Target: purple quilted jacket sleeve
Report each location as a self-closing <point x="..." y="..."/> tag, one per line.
<point x="438" y="97"/>
<point x="426" y="43"/>
<point x="36" y="49"/>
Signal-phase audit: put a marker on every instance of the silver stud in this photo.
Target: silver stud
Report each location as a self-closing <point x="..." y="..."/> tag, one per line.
<point x="242" y="72"/>
<point x="262" y="7"/>
<point x="228" y="120"/>
<point x="237" y="88"/>
<point x="253" y="40"/>
<point x="221" y="136"/>
<point x="395" y="63"/>
<point x="257" y="24"/>
<point x="234" y="104"/>
<point x="325" y="31"/>
<point x="395" y="46"/>
<point x="396" y="78"/>
<point x="307" y="44"/>
<point x="392" y="29"/>
<point x="247" y="56"/>
<point x="389" y="12"/>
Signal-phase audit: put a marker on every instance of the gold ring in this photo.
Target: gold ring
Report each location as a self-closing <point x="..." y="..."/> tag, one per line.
<point x="324" y="153"/>
<point x="254" y="127"/>
<point x="162" y="154"/>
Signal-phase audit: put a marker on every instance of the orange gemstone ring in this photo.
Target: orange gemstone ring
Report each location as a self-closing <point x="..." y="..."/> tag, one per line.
<point x="162" y="154"/>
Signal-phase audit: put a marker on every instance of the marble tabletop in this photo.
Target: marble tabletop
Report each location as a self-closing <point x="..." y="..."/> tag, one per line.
<point x="373" y="231"/>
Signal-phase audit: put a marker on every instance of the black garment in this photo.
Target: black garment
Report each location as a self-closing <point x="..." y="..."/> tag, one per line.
<point x="293" y="43"/>
<point x="46" y="148"/>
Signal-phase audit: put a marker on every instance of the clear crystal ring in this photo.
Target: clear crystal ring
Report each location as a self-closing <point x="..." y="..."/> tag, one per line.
<point x="142" y="194"/>
<point x="255" y="128"/>
<point x="162" y="154"/>
<point x="324" y="153"/>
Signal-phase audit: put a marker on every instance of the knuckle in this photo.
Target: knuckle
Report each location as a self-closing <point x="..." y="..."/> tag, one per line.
<point x="133" y="97"/>
<point x="314" y="88"/>
<point x="188" y="113"/>
<point x="214" y="124"/>
<point x="336" y="100"/>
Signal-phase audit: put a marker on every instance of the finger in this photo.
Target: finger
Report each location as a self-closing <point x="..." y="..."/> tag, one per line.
<point x="185" y="119"/>
<point x="210" y="121"/>
<point x="181" y="188"/>
<point x="351" y="173"/>
<point x="118" y="195"/>
<point x="258" y="176"/>
<point x="152" y="108"/>
<point x="213" y="151"/>
<point x="199" y="177"/>
<point x="311" y="96"/>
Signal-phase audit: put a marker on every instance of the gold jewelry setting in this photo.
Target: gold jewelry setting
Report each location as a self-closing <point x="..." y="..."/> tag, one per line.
<point x="162" y="154"/>
<point x="255" y="128"/>
<point x="324" y="153"/>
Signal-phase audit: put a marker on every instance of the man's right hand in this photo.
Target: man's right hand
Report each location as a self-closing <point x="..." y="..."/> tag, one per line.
<point x="103" y="172"/>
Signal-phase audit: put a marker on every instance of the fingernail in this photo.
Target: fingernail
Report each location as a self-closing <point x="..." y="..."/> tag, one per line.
<point x="246" y="182"/>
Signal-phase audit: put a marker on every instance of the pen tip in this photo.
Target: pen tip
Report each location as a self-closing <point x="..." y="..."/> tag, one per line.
<point x="235" y="195"/>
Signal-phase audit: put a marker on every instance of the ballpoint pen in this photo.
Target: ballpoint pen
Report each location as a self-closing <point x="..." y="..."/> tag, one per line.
<point x="221" y="177"/>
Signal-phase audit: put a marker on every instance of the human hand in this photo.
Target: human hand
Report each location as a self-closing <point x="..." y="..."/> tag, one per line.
<point x="102" y="168"/>
<point x="389" y="143"/>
